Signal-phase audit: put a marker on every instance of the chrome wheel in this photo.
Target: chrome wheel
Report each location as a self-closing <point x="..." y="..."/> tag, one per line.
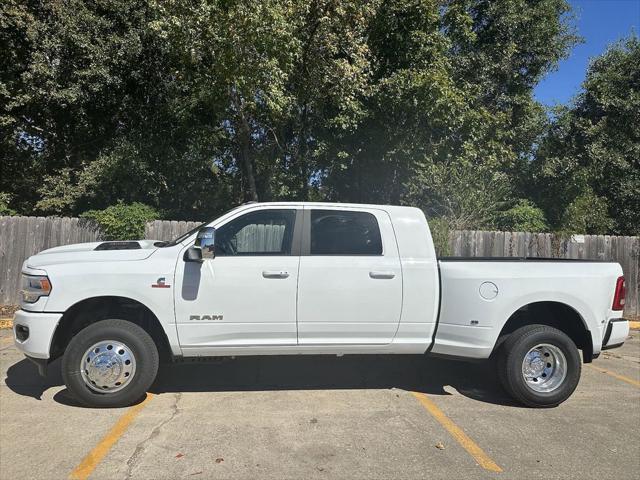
<point x="108" y="366"/>
<point x="544" y="368"/>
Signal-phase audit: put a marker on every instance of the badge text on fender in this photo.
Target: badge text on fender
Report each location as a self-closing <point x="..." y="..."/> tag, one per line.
<point x="205" y="318"/>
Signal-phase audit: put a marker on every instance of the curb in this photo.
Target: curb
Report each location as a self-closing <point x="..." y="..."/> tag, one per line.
<point x="634" y="325"/>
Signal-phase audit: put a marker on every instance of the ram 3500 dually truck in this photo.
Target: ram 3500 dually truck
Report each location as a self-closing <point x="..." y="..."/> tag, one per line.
<point x="311" y="278"/>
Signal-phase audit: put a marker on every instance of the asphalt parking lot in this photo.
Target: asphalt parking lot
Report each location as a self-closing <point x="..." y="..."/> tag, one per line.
<point x="323" y="417"/>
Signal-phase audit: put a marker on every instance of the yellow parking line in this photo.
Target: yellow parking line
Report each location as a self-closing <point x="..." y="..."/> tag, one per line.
<point x="95" y="456"/>
<point x="628" y="380"/>
<point x="456" y="432"/>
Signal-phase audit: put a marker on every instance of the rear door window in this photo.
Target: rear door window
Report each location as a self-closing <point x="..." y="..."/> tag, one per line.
<point x="339" y="232"/>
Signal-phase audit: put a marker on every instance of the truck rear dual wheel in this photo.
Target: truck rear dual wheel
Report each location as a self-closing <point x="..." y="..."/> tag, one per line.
<point x="110" y="363"/>
<point x="539" y="366"/>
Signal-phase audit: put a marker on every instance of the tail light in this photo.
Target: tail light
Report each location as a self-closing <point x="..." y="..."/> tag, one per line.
<point x="618" y="297"/>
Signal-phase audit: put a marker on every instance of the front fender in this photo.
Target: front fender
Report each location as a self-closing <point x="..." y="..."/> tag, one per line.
<point x="149" y="283"/>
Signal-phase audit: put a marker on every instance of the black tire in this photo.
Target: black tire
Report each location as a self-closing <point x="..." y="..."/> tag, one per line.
<point x="511" y="357"/>
<point x="135" y="338"/>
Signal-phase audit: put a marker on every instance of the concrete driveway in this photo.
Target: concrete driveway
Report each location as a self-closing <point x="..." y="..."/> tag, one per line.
<point x="323" y="417"/>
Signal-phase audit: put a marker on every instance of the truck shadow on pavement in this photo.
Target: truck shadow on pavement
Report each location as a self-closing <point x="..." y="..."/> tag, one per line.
<point x="23" y="378"/>
<point x="416" y="373"/>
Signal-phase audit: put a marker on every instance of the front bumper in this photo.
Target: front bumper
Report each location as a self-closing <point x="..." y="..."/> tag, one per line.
<point x="616" y="333"/>
<point x="33" y="332"/>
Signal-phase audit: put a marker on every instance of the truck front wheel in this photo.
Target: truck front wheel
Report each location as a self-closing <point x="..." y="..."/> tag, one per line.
<point x="110" y="363"/>
<point x="539" y="366"/>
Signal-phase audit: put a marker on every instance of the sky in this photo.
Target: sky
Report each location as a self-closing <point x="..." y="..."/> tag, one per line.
<point x="600" y="23"/>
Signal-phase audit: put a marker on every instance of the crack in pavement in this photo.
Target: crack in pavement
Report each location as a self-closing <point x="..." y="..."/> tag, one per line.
<point x="142" y="446"/>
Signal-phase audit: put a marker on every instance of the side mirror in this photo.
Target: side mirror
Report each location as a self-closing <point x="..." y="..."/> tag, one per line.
<point x="206" y="240"/>
<point x="193" y="254"/>
<point x="203" y="248"/>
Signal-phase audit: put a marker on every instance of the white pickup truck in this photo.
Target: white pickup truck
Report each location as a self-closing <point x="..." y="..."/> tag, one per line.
<point x="311" y="278"/>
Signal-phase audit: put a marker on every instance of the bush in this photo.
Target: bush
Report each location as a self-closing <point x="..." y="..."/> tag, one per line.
<point x="121" y="221"/>
<point x="4" y="205"/>
<point x="588" y="214"/>
<point x="524" y="216"/>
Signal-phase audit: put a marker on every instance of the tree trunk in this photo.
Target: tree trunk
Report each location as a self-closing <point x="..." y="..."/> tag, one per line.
<point x="304" y="169"/>
<point x="243" y="139"/>
<point x="245" y="154"/>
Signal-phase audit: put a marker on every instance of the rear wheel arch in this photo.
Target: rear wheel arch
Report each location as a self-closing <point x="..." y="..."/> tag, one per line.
<point x="95" y="309"/>
<point x="554" y="314"/>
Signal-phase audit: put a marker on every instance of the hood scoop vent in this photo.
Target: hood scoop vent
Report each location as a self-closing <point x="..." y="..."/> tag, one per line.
<point x="118" y="246"/>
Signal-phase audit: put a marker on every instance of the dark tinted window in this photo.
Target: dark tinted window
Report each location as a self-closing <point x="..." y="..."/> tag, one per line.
<point x="266" y="232"/>
<point x="335" y="232"/>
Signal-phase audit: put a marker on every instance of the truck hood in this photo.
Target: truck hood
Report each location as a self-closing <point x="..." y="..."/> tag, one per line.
<point x="93" y="252"/>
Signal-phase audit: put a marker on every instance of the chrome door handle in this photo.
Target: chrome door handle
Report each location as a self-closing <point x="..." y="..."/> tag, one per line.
<point x="275" y="274"/>
<point x="379" y="274"/>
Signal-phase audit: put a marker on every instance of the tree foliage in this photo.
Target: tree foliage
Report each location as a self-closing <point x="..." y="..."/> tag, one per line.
<point x="586" y="174"/>
<point x="524" y="216"/>
<point x="4" y="205"/>
<point x="191" y="107"/>
<point x="121" y="221"/>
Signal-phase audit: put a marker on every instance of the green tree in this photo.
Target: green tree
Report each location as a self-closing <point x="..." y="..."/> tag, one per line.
<point x="94" y="110"/>
<point x="72" y="68"/>
<point x="451" y="87"/>
<point x="588" y="164"/>
<point x="191" y="106"/>
<point x="278" y="79"/>
<point x="467" y="197"/>
<point x="587" y="213"/>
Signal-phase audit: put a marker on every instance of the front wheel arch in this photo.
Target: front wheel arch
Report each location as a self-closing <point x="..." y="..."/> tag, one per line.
<point x="95" y="309"/>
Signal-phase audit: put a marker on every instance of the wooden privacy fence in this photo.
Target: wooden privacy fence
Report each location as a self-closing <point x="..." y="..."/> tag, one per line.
<point x="21" y="237"/>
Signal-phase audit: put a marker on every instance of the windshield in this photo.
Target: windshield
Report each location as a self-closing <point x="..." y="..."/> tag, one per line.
<point x="182" y="237"/>
<point x="186" y="235"/>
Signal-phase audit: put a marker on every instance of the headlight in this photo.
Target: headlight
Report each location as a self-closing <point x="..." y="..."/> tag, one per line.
<point x="34" y="287"/>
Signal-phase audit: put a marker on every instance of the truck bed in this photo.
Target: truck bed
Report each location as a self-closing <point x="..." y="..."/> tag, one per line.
<point x="478" y="295"/>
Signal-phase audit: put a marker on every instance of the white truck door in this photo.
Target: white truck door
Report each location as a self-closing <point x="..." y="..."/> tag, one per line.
<point x="246" y="295"/>
<point x="350" y="285"/>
